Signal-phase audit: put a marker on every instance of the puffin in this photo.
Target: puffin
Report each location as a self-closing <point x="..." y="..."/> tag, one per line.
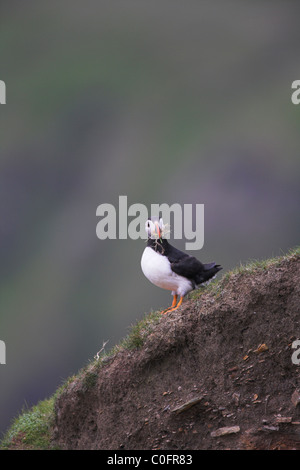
<point x="169" y="268"/>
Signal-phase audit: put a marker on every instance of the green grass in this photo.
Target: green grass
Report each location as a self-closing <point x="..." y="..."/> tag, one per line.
<point x="134" y="340"/>
<point x="140" y="331"/>
<point x="32" y="429"/>
<point x="88" y="375"/>
<point x="251" y="267"/>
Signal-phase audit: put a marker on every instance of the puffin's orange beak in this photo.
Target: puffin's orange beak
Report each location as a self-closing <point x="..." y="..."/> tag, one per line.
<point x="158" y="230"/>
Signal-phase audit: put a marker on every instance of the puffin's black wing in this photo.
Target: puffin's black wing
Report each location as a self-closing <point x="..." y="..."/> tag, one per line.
<point x="194" y="270"/>
<point x="182" y="263"/>
<point x="190" y="267"/>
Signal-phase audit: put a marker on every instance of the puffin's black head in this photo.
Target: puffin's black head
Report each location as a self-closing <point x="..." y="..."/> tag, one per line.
<point x="155" y="228"/>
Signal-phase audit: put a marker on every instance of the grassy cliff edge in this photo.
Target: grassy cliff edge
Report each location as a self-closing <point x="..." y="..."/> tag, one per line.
<point x="249" y="295"/>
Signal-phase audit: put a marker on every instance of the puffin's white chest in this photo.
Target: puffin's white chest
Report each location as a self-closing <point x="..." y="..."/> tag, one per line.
<point x="157" y="269"/>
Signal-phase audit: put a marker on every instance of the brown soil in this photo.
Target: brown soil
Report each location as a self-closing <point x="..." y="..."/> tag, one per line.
<point x="223" y="360"/>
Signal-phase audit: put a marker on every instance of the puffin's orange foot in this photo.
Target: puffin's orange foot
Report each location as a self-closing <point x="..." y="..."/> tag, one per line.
<point x="173" y="308"/>
<point x="169" y="308"/>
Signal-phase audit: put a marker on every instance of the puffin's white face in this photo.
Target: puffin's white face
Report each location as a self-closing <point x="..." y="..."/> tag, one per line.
<point x="155" y="228"/>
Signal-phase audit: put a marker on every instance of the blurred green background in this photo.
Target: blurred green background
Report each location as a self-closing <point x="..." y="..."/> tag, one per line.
<point x="168" y="101"/>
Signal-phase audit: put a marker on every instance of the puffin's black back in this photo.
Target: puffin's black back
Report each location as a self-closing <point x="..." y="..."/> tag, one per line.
<point x="183" y="264"/>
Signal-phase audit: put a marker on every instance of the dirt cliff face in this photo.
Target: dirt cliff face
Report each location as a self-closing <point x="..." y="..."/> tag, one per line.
<point x="216" y="374"/>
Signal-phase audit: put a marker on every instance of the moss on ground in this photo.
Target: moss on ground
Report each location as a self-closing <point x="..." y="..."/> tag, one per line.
<point x="32" y="429"/>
